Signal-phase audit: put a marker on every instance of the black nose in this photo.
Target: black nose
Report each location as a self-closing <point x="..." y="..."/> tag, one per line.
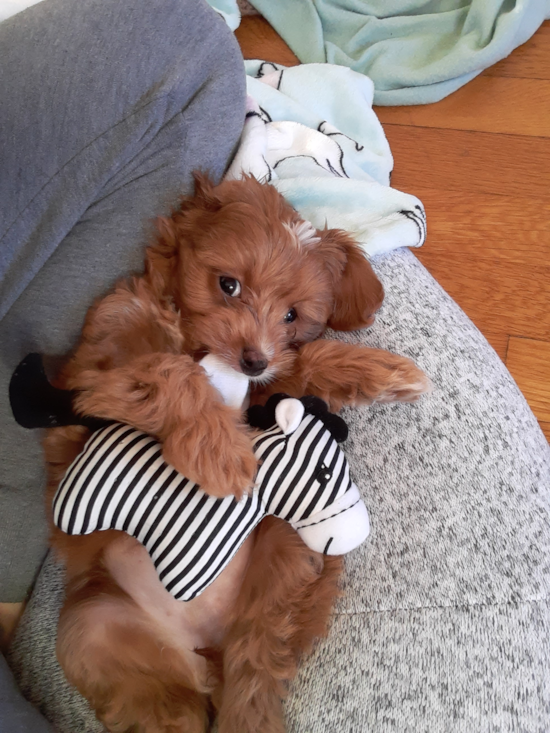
<point x="253" y="362"/>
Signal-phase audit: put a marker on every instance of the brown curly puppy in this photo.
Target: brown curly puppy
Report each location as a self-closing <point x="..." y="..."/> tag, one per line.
<point x="237" y="273"/>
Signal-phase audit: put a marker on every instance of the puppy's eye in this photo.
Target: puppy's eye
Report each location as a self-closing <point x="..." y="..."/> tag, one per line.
<point x="290" y="316"/>
<point x="230" y="286"/>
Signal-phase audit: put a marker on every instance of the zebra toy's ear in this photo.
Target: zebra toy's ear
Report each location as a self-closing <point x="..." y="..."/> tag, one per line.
<point x="280" y="409"/>
<point x="286" y="416"/>
<point x="263" y="416"/>
<point x="333" y="423"/>
<point x="35" y="403"/>
<point x="289" y="413"/>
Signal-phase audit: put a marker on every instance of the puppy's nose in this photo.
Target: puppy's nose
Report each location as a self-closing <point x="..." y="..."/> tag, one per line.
<point x="253" y="362"/>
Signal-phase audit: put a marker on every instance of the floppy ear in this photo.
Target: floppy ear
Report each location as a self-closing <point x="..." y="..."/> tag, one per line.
<point x="161" y="260"/>
<point x="358" y="293"/>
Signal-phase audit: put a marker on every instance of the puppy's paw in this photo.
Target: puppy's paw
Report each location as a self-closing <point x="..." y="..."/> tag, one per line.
<point x="214" y="452"/>
<point x="349" y="374"/>
<point x="231" y="465"/>
<point x="374" y="375"/>
<point x="405" y="382"/>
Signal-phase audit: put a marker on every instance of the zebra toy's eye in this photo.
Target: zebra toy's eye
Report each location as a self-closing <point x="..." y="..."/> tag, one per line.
<point x="290" y="316"/>
<point x="230" y="286"/>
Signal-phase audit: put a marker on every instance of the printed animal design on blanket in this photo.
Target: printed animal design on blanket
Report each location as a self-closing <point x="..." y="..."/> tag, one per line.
<point x="327" y="129"/>
<point x="270" y="74"/>
<point x="418" y="216"/>
<point x="281" y="152"/>
<point x="120" y="481"/>
<point x="287" y="140"/>
<point x="265" y="145"/>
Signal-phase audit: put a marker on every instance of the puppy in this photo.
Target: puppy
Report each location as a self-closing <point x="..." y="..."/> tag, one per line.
<point x="235" y="272"/>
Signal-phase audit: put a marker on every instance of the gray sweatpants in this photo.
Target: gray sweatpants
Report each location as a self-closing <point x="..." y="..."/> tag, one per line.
<point x="106" y="108"/>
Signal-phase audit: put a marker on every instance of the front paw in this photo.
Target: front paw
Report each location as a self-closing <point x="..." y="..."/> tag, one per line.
<point x="215" y="452"/>
<point x="374" y="375"/>
<point x="403" y="381"/>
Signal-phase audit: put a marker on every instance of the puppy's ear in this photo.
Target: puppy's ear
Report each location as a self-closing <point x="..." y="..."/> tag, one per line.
<point x="358" y="293"/>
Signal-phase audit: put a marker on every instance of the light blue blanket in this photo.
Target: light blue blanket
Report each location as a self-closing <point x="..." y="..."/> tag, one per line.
<point x="312" y="132"/>
<point x="415" y="51"/>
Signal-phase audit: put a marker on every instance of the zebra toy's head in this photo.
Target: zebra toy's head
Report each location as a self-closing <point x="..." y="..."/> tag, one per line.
<point x="304" y="476"/>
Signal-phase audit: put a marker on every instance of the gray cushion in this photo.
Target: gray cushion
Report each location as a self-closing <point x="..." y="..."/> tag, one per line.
<point x="444" y="623"/>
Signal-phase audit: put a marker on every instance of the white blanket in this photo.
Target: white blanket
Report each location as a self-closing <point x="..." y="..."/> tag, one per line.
<point x="311" y="131"/>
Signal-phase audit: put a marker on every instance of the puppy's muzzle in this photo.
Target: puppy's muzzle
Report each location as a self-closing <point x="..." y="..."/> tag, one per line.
<point x="253" y="362"/>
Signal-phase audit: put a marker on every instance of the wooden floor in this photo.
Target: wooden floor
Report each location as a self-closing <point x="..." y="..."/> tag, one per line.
<point x="480" y="162"/>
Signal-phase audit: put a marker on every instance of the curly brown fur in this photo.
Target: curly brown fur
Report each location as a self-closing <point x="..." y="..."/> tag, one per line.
<point x="284" y="606"/>
<point x="113" y="654"/>
<point x="145" y="661"/>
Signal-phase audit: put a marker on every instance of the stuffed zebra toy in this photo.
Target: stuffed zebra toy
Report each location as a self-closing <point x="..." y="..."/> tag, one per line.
<point x="120" y="481"/>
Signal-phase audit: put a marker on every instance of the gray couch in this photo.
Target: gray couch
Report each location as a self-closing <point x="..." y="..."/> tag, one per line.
<point x="444" y="625"/>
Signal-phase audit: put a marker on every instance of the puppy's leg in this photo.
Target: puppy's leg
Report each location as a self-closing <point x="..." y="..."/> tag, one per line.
<point x="348" y="374"/>
<point x="112" y="654"/>
<point x="170" y="397"/>
<point x="284" y="605"/>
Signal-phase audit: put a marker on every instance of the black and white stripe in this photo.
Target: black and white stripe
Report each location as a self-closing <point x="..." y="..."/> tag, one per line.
<point x="121" y="481"/>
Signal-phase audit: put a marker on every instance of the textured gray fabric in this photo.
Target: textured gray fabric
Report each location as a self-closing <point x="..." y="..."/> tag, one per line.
<point x="458" y="485"/>
<point x="463" y="669"/>
<point x="33" y="662"/>
<point x="120" y="104"/>
<point x="95" y="89"/>
<point x="444" y="624"/>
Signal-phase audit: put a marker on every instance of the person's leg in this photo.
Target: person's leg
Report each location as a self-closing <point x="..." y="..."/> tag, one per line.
<point x="16" y="714"/>
<point x="113" y="104"/>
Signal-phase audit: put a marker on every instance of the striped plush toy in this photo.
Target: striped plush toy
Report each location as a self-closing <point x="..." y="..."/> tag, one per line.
<point x="120" y="481"/>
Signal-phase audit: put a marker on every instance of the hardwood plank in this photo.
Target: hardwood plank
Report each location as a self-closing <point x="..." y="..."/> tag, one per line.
<point x="486" y="211"/>
<point x="497" y="295"/>
<point x="490" y="104"/>
<point x="485" y="226"/>
<point x="529" y="363"/>
<point x="477" y="162"/>
<point x="258" y="40"/>
<point x="499" y="342"/>
<point x="531" y="60"/>
<point x="545" y="429"/>
<point x="492" y="254"/>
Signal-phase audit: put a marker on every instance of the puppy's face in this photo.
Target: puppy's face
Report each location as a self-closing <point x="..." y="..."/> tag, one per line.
<point x="253" y="282"/>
